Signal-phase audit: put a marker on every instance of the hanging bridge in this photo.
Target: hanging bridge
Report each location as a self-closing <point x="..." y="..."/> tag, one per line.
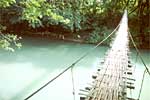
<point x="111" y="81"/>
<point x="114" y="77"/>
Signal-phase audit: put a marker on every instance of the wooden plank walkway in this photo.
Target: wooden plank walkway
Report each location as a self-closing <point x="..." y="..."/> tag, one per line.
<point x="111" y="82"/>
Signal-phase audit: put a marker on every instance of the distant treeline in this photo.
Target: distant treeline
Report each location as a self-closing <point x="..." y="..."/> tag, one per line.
<point x="90" y="20"/>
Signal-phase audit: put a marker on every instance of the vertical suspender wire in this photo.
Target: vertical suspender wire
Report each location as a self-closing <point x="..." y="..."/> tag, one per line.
<point x="73" y="84"/>
<point x="49" y="82"/>
<point x="139" y="53"/>
<point x="146" y="68"/>
<point x="79" y="59"/>
<point x="141" y="85"/>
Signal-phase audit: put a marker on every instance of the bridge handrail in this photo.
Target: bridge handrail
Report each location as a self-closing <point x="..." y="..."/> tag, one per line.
<point x="73" y="64"/>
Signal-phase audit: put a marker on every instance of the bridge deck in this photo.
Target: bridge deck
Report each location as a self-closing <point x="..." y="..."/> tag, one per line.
<point x="110" y="82"/>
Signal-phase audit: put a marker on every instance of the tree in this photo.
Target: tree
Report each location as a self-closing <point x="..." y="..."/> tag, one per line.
<point x="92" y="18"/>
<point x="6" y="40"/>
<point x="35" y="11"/>
<point x="6" y="3"/>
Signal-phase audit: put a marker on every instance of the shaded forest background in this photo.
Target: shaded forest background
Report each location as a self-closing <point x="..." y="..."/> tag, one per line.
<point x="87" y="20"/>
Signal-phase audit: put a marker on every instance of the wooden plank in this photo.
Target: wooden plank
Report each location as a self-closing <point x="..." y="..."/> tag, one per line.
<point x="106" y="85"/>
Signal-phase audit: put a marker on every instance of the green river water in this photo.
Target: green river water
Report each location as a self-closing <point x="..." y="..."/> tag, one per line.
<point x="39" y="60"/>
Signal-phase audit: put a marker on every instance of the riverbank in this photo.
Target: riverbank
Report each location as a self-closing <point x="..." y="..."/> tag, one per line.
<point x="77" y="38"/>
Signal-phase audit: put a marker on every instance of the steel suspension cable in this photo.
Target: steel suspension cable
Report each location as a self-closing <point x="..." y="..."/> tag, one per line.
<point x="73" y="64"/>
<point x="141" y="84"/>
<point x="146" y="68"/>
<point x="137" y="50"/>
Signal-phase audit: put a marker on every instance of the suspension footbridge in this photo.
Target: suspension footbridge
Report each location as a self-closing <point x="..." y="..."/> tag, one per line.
<point x="111" y="81"/>
<point x="115" y="75"/>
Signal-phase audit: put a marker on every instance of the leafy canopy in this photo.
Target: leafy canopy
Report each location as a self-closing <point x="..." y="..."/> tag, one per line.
<point x="6" y="3"/>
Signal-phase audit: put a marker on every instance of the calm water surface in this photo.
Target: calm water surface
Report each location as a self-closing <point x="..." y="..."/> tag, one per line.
<point x="38" y="61"/>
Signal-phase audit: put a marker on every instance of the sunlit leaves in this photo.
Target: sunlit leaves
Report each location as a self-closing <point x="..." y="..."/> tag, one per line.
<point x="8" y="42"/>
<point x="35" y="10"/>
<point x="5" y="45"/>
<point x="6" y="3"/>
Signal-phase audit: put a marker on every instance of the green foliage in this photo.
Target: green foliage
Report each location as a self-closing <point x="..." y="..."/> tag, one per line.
<point x="93" y="17"/>
<point x="98" y="34"/>
<point x="94" y="37"/>
<point x="8" y="41"/>
<point x="6" y="3"/>
<point x="35" y="10"/>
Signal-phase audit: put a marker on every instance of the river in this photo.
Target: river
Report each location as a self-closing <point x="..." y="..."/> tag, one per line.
<point x="39" y="60"/>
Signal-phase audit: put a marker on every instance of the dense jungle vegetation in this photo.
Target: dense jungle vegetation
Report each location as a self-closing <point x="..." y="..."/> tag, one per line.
<point x="87" y="20"/>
